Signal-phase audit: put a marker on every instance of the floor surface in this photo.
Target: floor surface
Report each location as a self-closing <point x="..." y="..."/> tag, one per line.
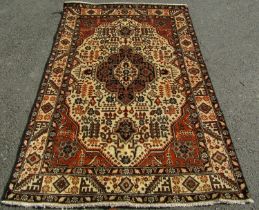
<point x="228" y="32"/>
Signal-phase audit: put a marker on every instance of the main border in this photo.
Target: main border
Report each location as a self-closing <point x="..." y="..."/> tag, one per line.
<point x="22" y="146"/>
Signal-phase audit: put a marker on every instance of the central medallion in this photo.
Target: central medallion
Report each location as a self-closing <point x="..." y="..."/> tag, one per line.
<point x="126" y="92"/>
<point x="125" y="74"/>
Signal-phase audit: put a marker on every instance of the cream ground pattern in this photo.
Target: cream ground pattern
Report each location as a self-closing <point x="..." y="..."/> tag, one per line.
<point x="242" y="89"/>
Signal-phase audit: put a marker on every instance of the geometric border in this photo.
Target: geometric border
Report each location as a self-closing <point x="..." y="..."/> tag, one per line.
<point x="207" y="80"/>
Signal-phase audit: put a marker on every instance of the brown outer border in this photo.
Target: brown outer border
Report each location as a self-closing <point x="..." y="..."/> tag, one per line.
<point x="210" y="91"/>
<point x="220" y="117"/>
<point x="36" y="105"/>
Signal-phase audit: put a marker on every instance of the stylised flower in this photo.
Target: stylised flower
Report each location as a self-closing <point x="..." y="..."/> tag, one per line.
<point x="172" y="101"/>
<point x="159" y="111"/>
<point x="90" y="111"/>
<point x="141" y="98"/>
<point x="74" y="189"/>
<point x="45" y="188"/>
<point x="110" y="99"/>
<point x="125" y="159"/>
<point x="141" y="122"/>
<point x="78" y="101"/>
<point x="108" y="122"/>
<point x="183" y="149"/>
<point x="67" y="149"/>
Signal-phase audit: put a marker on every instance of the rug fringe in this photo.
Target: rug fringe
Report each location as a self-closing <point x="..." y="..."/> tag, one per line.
<point x="86" y="2"/>
<point x="126" y="204"/>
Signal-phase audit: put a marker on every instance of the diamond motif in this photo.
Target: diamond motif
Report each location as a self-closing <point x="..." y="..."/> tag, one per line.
<point x="183" y="149"/>
<point x="157" y="101"/>
<point x="61" y="184"/>
<point x="33" y="158"/>
<point x="219" y="157"/>
<point x="126" y="129"/>
<point x="126" y="185"/>
<point x="205" y="108"/>
<point x="190" y="183"/>
<point x="47" y="107"/>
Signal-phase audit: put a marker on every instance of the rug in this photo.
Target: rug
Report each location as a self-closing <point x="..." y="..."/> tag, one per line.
<point x="126" y="115"/>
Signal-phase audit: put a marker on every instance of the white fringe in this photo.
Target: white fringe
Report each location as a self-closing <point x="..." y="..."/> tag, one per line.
<point x="126" y="204"/>
<point x="101" y="3"/>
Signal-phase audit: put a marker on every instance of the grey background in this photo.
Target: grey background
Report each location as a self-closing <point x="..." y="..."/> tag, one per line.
<point x="228" y="34"/>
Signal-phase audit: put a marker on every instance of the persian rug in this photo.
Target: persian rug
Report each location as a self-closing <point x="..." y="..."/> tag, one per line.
<point x="126" y="115"/>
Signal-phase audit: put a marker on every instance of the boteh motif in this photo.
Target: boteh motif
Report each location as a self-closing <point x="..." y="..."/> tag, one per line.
<point x="126" y="115"/>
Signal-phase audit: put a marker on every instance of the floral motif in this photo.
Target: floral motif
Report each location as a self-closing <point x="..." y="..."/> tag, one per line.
<point x="126" y="114"/>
